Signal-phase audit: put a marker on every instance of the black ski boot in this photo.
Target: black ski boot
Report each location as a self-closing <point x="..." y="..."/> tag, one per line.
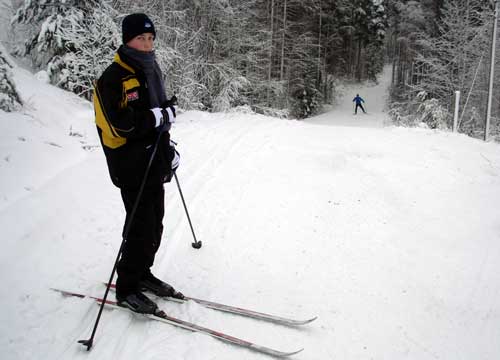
<point x="137" y="302"/>
<point x="159" y="288"/>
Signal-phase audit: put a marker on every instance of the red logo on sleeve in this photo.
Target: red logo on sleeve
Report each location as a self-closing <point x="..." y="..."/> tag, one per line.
<point x="134" y="95"/>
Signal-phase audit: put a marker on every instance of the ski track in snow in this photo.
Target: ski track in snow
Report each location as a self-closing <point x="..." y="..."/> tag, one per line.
<point x="389" y="235"/>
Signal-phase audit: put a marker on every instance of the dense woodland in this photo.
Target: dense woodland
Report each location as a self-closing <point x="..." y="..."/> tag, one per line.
<point x="281" y="57"/>
<point x="437" y="47"/>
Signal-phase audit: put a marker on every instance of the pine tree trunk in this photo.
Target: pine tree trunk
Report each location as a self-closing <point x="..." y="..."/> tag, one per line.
<point x="358" y="64"/>
<point x="269" y="74"/>
<point x="318" y="75"/>
<point x="283" y="42"/>
<point x="393" y="77"/>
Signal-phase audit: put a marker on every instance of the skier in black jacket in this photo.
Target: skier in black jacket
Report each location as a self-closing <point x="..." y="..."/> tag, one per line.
<point x="131" y="109"/>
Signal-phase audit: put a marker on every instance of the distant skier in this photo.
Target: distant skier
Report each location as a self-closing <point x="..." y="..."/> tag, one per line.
<point x="359" y="100"/>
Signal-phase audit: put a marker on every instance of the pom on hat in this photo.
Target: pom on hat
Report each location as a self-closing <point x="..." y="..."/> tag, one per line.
<point x="136" y="24"/>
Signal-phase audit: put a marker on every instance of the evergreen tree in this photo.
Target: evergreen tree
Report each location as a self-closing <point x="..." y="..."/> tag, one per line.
<point x="361" y="27"/>
<point x="304" y="87"/>
<point x="9" y="98"/>
<point x="73" y="40"/>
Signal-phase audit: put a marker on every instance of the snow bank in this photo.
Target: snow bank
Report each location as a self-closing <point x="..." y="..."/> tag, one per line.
<point x="47" y="137"/>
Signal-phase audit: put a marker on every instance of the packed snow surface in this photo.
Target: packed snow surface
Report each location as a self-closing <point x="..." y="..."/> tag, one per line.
<point x="391" y="236"/>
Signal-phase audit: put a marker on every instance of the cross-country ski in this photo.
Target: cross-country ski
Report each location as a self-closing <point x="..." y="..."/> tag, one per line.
<point x="163" y="317"/>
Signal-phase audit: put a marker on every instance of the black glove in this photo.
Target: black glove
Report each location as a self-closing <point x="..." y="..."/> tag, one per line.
<point x="171" y="102"/>
<point x="168" y="107"/>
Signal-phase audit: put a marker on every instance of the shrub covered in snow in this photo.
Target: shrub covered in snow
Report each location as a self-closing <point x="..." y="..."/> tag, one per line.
<point x="305" y="103"/>
<point x="421" y="110"/>
<point x="431" y="112"/>
<point x="230" y="93"/>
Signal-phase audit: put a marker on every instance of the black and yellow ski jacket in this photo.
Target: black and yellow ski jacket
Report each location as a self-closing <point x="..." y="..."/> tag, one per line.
<point x="126" y="127"/>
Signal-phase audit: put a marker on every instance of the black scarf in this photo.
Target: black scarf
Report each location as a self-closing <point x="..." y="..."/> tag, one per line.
<point x="146" y="62"/>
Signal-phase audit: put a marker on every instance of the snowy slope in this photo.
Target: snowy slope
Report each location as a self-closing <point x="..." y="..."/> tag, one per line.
<point x="389" y="235"/>
<point x="44" y="139"/>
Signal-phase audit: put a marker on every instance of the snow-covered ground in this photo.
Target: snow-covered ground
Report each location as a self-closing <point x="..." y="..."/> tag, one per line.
<point x="391" y="236"/>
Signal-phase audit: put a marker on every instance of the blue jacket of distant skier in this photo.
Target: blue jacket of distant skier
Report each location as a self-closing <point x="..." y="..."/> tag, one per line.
<point x="358" y="100"/>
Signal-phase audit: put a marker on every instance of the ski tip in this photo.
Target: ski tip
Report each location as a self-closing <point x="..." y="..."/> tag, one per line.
<point x="67" y="293"/>
<point x="301" y="322"/>
<point x="310" y="320"/>
<point x="279" y="354"/>
<point x="291" y="353"/>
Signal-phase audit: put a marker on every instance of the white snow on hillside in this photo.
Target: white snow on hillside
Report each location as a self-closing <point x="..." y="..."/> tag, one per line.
<point x="389" y="235"/>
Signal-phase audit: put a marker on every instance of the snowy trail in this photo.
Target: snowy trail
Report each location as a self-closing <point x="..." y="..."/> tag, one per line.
<point x="388" y="235"/>
<point x="374" y="95"/>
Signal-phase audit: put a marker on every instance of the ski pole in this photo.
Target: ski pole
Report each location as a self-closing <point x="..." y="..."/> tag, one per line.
<point x="196" y="244"/>
<point x="89" y="342"/>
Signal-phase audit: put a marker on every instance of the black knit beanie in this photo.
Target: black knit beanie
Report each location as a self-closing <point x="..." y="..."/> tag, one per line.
<point x="136" y="24"/>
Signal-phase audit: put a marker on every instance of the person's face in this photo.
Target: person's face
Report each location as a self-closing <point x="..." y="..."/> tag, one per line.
<point x="143" y="42"/>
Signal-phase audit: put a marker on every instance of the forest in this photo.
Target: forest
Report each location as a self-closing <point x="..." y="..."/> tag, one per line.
<point x="283" y="58"/>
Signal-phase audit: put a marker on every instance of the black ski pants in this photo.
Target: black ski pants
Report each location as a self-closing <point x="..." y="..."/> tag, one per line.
<point x="362" y="108"/>
<point x="143" y="239"/>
